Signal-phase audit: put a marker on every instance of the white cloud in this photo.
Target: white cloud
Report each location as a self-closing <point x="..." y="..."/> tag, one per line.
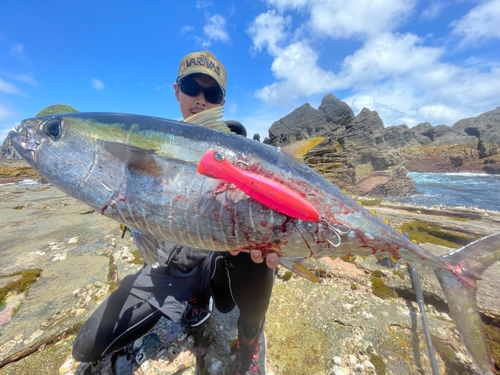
<point x="26" y="78"/>
<point x="438" y="114"/>
<point x="351" y="18"/>
<point x="215" y="29"/>
<point x="6" y="121"/>
<point x="267" y="30"/>
<point x="202" y="4"/>
<point x="231" y="109"/>
<point x="398" y="72"/>
<point x="432" y="11"/>
<point x="97" y="84"/>
<point x="186" y="28"/>
<point x="296" y="67"/>
<point x="8" y="87"/>
<point x="480" y="24"/>
<point x="17" y="50"/>
<point x="6" y="113"/>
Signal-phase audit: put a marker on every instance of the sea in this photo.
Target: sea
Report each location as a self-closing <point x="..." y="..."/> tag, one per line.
<point x="456" y="189"/>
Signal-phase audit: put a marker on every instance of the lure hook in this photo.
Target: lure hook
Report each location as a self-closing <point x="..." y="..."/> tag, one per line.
<point x="338" y="229"/>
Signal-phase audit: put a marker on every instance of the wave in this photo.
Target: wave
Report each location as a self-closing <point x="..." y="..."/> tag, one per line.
<point x="25" y="182"/>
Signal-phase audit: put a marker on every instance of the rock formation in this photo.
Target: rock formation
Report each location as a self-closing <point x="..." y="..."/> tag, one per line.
<point x="363" y="157"/>
<point x="357" y="154"/>
<point x="7" y="150"/>
<point x="471" y="145"/>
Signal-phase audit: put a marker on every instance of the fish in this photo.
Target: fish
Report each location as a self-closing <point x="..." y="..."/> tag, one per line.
<point x="147" y="173"/>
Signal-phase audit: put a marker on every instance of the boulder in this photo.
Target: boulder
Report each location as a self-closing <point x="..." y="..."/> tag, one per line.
<point x="302" y="123"/>
<point x="423" y="133"/>
<point x="336" y="111"/>
<point x="399" y="136"/>
<point x="7" y="150"/>
<point x="363" y="130"/>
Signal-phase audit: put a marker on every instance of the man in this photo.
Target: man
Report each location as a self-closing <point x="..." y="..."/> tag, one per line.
<point x="182" y="287"/>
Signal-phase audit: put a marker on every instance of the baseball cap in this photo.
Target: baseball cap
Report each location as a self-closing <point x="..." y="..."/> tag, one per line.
<point x="205" y="63"/>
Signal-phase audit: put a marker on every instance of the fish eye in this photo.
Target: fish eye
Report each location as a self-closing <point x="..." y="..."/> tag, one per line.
<point x="53" y="128"/>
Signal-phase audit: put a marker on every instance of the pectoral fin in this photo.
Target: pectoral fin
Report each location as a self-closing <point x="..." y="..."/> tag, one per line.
<point x="148" y="248"/>
<point x="297" y="268"/>
<point x="139" y="159"/>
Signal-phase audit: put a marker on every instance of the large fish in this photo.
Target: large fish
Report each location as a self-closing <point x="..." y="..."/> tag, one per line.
<point x="143" y="172"/>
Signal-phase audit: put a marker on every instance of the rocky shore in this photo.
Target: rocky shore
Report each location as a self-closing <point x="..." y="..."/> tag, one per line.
<point x="347" y="324"/>
<point x="365" y="158"/>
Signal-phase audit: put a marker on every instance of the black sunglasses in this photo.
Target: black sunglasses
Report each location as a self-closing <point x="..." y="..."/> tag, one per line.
<point x="213" y="95"/>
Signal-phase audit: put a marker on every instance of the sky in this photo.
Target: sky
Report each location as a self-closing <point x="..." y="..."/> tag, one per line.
<point x="411" y="61"/>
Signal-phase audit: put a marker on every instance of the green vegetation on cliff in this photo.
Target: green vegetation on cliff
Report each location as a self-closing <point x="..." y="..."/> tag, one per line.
<point x="55" y="109"/>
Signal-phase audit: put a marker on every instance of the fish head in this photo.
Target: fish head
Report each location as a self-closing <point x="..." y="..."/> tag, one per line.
<point x="65" y="151"/>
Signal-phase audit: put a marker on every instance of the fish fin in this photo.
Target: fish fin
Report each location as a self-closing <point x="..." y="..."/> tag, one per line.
<point x="298" y="149"/>
<point x="363" y="257"/>
<point x="135" y="157"/>
<point x="139" y="159"/>
<point x="459" y="284"/>
<point x="298" y="268"/>
<point x="211" y="118"/>
<point x="373" y="212"/>
<point x="148" y="247"/>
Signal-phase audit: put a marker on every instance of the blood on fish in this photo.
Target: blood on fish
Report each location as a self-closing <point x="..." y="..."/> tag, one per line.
<point x="263" y="223"/>
<point x="103" y="209"/>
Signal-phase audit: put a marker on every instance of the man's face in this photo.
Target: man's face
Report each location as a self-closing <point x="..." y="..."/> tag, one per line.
<point x="191" y="105"/>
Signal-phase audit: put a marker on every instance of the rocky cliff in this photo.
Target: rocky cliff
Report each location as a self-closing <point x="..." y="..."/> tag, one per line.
<point x="471" y="145"/>
<point x="363" y="157"/>
<point x="357" y="154"/>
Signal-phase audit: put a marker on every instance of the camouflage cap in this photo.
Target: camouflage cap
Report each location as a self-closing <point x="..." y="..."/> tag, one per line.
<point x="204" y="63"/>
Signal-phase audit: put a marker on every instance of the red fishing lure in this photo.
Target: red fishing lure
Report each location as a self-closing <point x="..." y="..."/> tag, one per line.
<point x="262" y="189"/>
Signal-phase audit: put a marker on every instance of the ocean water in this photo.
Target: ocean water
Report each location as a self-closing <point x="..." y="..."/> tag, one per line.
<point x="456" y="189"/>
<point x="25" y="182"/>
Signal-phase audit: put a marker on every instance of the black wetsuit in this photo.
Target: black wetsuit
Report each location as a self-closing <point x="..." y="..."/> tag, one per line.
<point x="143" y="298"/>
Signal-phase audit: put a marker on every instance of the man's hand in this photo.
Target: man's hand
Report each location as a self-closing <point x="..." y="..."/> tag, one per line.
<point x="256" y="255"/>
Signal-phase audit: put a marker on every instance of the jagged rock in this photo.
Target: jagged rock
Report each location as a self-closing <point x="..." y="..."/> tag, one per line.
<point x="336" y="111"/>
<point x="361" y="132"/>
<point x="399" y="136"/>
<point x="7" y="151"/>
<point x="423" y="133"/>
<point x="303" y="123"/>
<point x="354" y="149"/>
<point x="471" y="145"/>
<point x="485" y="127"/>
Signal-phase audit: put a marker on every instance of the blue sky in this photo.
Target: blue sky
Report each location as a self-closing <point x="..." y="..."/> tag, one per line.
<point x="412" y="61"/>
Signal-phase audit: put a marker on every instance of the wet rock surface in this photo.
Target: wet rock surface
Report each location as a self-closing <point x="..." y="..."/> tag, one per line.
<point x="336" y="327"/>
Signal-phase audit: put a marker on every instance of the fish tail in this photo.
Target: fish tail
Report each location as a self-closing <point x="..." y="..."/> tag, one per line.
<point x="458" y="281"/>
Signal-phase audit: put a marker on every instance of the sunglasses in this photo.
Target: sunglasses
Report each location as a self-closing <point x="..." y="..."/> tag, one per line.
<point x="213" y="95"/>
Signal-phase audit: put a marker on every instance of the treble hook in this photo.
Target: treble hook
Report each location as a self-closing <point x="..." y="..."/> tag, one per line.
<point x="338" y="229"/>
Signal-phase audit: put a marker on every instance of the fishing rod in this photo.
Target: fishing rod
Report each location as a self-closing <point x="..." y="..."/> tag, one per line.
<point x="412" y="269"/>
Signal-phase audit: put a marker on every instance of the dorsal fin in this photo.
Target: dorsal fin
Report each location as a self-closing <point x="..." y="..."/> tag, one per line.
<point x="211" y="118"/>
<point x="298" y="149"/>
